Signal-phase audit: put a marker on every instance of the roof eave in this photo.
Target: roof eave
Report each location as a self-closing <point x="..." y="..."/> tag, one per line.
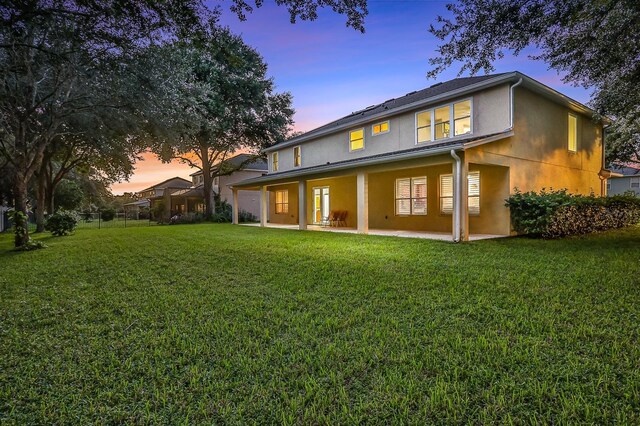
<point x="372" y="161"/>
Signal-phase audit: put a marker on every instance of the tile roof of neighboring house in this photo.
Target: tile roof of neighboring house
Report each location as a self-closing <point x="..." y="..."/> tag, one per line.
<point x="138" y="203"/>
<point x="626" y="171"/>
<point x="419" y="151"/>
<point x="189" y="192"/>
<point x="159" y="185"/>
<point x="251" y="162"/>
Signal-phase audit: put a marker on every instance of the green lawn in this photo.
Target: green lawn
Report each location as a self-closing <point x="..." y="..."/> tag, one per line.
<point x="222" y="324"/>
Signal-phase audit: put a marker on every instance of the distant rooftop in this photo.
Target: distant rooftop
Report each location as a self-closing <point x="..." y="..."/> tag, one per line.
<point x="244" y="162"/>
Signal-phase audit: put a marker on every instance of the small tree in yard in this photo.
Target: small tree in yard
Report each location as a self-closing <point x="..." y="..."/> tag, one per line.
<point x="222" y="102"/>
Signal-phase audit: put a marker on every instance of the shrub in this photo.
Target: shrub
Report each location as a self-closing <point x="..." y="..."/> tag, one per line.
<point x="190" y="218"/>
<point x="62" y="222"/>
<point x="554" y="214"/>
<point x="224" y="214"/>
<point x="107" y="215"/>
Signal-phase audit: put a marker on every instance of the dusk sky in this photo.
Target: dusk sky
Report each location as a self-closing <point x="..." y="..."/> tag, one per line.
<point x="332" y="70"/>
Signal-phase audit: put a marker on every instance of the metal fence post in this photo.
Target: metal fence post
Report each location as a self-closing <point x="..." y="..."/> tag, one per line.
<point x="125" y="218"/>
<point x="99" y="218"/>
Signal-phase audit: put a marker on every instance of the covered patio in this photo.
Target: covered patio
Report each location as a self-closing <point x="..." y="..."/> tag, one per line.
<point x="430" y="192"/>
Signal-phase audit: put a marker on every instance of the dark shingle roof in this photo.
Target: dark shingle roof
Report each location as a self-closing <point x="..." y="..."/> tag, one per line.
<point x="257" y="163"/>
<point x="247" y="161"/>
<point x="626" y="171"/>
<point x="391" y="104"/>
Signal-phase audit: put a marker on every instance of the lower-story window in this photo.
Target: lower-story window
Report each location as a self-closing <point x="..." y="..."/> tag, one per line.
<point x="473" y="193"/>
<point x="411" y="196"/>
<point x="282" y="202"/>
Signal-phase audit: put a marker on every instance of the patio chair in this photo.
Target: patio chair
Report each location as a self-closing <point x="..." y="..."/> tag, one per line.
<point x="333" y="217"/>
<point x="342" y="218"/>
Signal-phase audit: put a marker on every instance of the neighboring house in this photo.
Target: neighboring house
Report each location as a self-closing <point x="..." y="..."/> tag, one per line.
<point x="244" y="166"/>
<point x="162" y="191"/>
<point x="441" y="159"/>
<point x="627" y="179"/>
<point x="134" y="208"/>
<point x="182" y="196"/>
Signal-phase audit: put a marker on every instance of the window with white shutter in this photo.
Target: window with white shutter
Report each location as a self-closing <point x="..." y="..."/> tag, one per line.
<point x="411" y="196"/>
<point x="446" y="194"/>
<point x="473" y="193"/>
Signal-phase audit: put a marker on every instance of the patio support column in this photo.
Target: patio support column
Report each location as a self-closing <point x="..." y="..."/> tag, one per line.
<point x="263" y="206"/>
<point x="362" y="195"/>
<point x="234" y="206"/>
<point x="464" y="201"/>
<point x="302" y="204"/>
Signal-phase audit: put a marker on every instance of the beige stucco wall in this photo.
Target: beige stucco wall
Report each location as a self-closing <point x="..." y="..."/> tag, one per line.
<point x="538" y="156"/>
<point x="494" y="190"/>
<point x="490" y="112"/>
<point x="247" y="200"/>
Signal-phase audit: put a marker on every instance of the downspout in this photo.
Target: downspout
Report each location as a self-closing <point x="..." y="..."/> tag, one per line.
<point x="511" y="102"/>
<point x="603" y="179"/>
<point x="456" y="195"/>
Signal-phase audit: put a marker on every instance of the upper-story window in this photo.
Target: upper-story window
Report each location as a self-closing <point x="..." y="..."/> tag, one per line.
<point x="356" y="140"/>
<point x="462" y="118"/>
<point x="297" y="156"/>
<point x="380" y="128"/>
<point x="274" y="161"/>
<point x="435" y="124"/>
<point x="572" y="141"/>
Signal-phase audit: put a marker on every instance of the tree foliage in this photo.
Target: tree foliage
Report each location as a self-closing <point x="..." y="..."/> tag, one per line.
<point x="596" y="43"/>
<point x="221" y="101"/>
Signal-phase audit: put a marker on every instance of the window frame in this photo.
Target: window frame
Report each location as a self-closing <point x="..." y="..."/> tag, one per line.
<point x="284" y="205"/>
<point x="274" y="161"/>
<point x="452" y="129"/>
<point x="297" y="158"/>
<point x="634" y="180"/>
<point x="411" y="196"/>
<point x="575" y="148"/>
<point x="373" y="133"/>
<point x="363" y="140"/>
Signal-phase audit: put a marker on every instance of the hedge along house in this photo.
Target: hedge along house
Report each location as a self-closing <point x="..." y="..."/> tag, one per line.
<point x="439" y="160"/>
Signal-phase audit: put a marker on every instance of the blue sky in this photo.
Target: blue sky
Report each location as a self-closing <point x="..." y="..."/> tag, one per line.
<point x="332" y="70"/>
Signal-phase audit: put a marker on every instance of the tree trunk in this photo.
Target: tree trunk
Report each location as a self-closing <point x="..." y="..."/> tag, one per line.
<point x="40" y="210"/>
<point x="20" y="222"/>
<point x="207" y="186"/>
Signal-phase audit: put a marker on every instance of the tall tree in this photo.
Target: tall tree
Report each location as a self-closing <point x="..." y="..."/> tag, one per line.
<point x="596" y="43"/>
<point x="54" y="53"/>
<point x="223" y="101"/>
<point x="53" y="56"/>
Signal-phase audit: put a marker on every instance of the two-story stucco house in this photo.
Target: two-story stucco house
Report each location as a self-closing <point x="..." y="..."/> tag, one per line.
<point x="438" y="160"/>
